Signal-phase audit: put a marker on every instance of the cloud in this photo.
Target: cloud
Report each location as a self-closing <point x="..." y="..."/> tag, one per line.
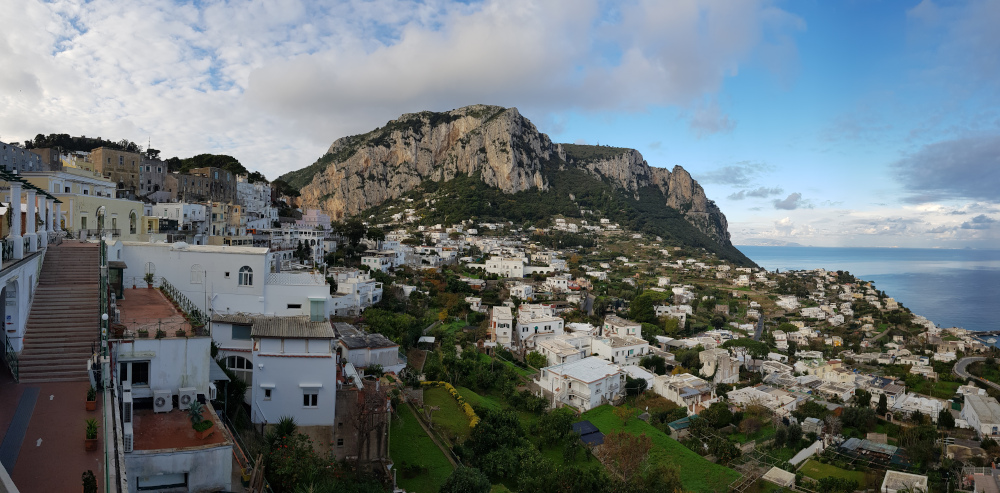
<point x="742" y="174"/>
<point x="792" y="202"/>
<point x="762" y="192"/>
<point x="981" y="221"/>
<point x="966" y="168"/>
<point x="273" y="83"/>
<point x="709" y="119"/>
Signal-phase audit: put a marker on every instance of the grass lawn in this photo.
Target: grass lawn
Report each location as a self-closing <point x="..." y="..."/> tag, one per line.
<point x="476" y="400"/>
<point x="697" y="474"/>
<point x="817" y="470"/>
<point x="941" y="390"/>
<point x="410" y="445"/>
<point x="449" y="420"/>
<point x="763" y="434"/>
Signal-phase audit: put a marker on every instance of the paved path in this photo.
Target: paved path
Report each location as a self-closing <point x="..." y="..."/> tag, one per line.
<point x="960" y="370"/>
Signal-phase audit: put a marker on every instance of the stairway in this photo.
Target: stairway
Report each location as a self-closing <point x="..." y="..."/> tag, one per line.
<point x="63" y="321"/>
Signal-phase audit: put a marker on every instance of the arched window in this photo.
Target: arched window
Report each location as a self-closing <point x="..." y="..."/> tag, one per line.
<point x="131" y="222"/>
<point x="243" y="368"/>
<point x="246" y="276"/>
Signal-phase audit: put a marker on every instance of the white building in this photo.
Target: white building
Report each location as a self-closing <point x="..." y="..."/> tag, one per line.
<point x="718" y="363"/>
<point x="523" y="292"/>
<point x="356" y="291"/>
<point x="617" y="326"/>
<point x="362" y="349"/>
<point x="502" y="326"/>
<point x="902" y="482"/>
<point x="583" y="384"/>
<point x="535" y="322"/>
<point x="625" y="351"/>
<point x="685" y="390"/>
<point x="983" y="414"/>
<point x="289" y="362"/>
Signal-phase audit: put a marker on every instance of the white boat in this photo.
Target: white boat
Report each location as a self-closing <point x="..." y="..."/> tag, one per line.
<point x="991" y="340"/>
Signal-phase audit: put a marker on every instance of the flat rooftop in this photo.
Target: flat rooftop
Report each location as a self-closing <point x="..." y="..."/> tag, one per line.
<point x="172" y="430"/>
<point x="149" y="309"/>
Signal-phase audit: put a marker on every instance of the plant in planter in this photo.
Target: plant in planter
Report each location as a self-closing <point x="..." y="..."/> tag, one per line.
<point x="160" y="333"/>
<point x="181" y="333"/>
<point x="149" y="279"/>
<point x="200" y="425"/>
<point x="91" y="399"/>
<point x="143" y="333"/>
<point x="89" y="482"/>
<point x="91" y="442"/>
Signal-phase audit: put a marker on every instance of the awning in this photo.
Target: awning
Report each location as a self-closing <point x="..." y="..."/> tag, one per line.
<point x="215" y="372"/>
<point x="117" y="264"/>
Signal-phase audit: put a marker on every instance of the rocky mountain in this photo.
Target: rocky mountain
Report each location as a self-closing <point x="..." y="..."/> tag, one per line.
<point x="504" y="151"/>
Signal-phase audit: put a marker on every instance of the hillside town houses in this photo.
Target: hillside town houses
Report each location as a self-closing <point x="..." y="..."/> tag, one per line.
<point x="212" y="280"/>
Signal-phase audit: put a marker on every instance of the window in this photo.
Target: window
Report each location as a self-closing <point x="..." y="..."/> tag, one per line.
<point x="340" y="442"/>
<point x="135" y="372"/>
<point x="294" y="306"/>
<point x="227" y="275"/>
<point x="246" y="276"/>
<point x="197" y="274"/>
<point x="310" y="398"/>
<point x="241" y="333"/>
<point x="267" y="394"/>
<point x="238" y="362"/>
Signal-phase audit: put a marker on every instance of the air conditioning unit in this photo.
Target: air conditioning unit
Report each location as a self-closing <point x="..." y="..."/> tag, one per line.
<point x="185" y="396"/>
<point x="163" y="401"/>
<point x="126" y="387"/>
<point x="128" y="438"/>
<point x="127" y="408"/>
<point x="213" y="391"/>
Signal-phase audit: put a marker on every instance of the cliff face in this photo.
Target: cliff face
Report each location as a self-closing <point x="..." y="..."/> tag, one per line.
<point x="497" y="144"/>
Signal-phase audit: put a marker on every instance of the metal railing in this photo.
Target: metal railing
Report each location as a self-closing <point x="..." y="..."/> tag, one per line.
<point x="27" y="244"/>
<point x="10" y="357"/>
<point x="196" y="316"/>
<point x="100" y="232"/>
<point x="8" y="249"/>
<point x="249" y="443"/>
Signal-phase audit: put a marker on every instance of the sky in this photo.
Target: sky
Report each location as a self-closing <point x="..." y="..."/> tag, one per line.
<point x="849" y="123"/>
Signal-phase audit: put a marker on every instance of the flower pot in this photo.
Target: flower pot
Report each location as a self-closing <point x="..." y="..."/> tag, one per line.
<point x="90" y="444"/>
<point x="149" y="285"/>
<point x="91" y="405"/>
<point x="201" y="435"/>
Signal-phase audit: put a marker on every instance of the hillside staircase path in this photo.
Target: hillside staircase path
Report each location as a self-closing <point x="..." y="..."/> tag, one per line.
<point x="62" y="328"/>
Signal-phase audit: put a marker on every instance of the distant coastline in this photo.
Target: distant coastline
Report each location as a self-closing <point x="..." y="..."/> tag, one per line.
<point x="951" y="287"/>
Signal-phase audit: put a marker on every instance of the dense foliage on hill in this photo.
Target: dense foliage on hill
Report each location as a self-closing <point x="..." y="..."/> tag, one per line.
<point x="571" y="190"/>
<point x="79" y="144"/>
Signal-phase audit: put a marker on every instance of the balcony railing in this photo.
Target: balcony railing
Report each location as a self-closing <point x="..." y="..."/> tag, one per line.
<point x="99" y="232"/>
<point x="8" y="249"/>
<point x="198" y="319"/>
<point x="10" y="357"/>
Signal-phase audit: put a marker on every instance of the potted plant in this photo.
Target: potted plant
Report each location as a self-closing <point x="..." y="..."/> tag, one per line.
<point x="143" y="333"/>
<point x="181" y="333"/>
<point x="160" y="333"/>
<point x="149" y="279"/>
<point x="91" y="399"/>
<point x="200" y="425"/>
<point x="89" y="482"/>
<point x="91" y="442"/>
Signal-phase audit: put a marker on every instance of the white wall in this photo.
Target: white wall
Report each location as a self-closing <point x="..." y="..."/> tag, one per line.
<point x="207" y="469"/>
<point x="287" y="374"/>
<point x="174" y="362"/>
<point x="20" y="283"/>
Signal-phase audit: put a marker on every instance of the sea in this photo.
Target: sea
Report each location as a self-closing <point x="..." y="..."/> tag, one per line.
<point x="952" y="288"/>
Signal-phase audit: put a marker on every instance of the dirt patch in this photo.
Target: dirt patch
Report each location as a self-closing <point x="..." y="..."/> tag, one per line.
<point x="415" y="358"/>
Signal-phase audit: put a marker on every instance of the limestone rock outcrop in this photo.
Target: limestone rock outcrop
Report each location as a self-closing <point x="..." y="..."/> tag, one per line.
<point x="497" y="144"/>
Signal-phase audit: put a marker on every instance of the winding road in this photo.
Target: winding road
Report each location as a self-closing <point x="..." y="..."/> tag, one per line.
<point x="960" y="370"/>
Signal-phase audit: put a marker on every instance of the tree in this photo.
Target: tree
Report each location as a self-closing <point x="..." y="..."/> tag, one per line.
<point x="641" y="309"/>
<point x="466" y="479"/>
<point x="780" y="436"/>
<point x="794" y="434"/>
<point x="624" y="414"/>
<point x="717" y="415"/>
<point x="723" y="449"/>
<point x="862" y="398"/>
<point x="654" y="363"/>
<point x="536" y="359"/>
<point x="635" y="386"/>
<point x="883" y="405"/>
<point x="747" y="347"/>
<point x="945" y="419"/>
<point x="623" y="453"/>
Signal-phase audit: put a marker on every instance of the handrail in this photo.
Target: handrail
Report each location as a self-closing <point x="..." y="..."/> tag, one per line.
<point x="187" y="306"/>
<point x="10" y="357"/>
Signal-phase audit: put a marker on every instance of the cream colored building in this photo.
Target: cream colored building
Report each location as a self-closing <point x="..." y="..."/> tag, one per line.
<point x="83" y="193"/>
